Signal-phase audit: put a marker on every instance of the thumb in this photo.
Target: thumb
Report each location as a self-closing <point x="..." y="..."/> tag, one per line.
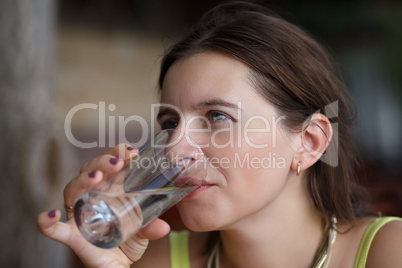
<point x="50" y="226"/>
<point x="156" y="229"/>
<point x="135" y="247"/>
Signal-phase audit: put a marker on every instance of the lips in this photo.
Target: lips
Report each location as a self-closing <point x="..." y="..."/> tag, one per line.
<point x="187" y="182"/>
<point x="203" y="187"/>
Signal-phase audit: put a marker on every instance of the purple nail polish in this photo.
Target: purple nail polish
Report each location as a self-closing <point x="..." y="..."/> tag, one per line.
<point x="129" y="148"/>
<point x="92" y="174"/>
<point x="113" y="161"/>
<point x="52" y="213"/>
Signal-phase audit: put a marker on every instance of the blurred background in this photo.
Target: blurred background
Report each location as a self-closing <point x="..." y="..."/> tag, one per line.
<point x="55" y="55"/>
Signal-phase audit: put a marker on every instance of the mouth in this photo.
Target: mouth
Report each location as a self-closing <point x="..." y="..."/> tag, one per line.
<point x="188" y="182"/>
<point x="203" y="187"/>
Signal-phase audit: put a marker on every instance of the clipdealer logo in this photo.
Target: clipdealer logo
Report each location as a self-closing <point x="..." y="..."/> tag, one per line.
<point x="330" y="156"/>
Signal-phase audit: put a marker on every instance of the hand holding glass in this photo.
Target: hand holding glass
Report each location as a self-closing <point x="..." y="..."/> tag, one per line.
<point x="168" y="168"/>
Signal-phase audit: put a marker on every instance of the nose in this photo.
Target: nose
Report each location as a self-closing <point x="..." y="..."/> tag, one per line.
<point x="181" y="147"/>
<point x="184" y="157"/>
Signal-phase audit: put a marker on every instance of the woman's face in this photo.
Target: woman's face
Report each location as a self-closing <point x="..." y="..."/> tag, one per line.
<point x="210" y="97"/>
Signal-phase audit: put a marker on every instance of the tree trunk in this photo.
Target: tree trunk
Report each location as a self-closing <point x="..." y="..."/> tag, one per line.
<point x="32" y="156"/>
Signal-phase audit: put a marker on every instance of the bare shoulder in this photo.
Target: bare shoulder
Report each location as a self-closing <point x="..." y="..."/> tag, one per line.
<point x="386" y="248"/>
<point x="348" y="241"/>
<point x="156" y="255"/>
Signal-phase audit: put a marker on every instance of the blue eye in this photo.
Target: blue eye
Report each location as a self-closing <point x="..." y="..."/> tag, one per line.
<point x="217" y="116"/>
<point x="169" y="124"/>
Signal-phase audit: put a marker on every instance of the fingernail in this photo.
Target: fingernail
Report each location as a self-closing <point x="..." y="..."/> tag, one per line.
<point x="52" y="213"/>
<point x="113" y="161"/>
<point x="92" y="174"/>
<point x="130" y="148"/>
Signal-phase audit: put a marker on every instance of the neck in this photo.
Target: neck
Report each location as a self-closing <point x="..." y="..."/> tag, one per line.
<point x="287" y="233"/>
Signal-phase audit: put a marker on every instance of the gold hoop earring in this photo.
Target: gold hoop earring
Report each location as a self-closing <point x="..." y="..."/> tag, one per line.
<point x="298" y="168"/>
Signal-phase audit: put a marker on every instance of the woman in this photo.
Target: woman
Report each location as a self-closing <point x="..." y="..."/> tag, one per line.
<point x="270" y="104"/>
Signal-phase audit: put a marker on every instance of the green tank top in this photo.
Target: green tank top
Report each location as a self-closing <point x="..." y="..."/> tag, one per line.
<point x="179" y="249"/>
<point x="368" y="237"/>
<point x="180" y="254"/>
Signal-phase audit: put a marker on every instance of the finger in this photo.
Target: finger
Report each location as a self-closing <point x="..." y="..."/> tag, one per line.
<point x="156" y="229"/>
<point x="49" y="225"/>
<point x="135" y="247"/>
<point x="90" y="173"/>
<point x="87" y="180"/>
<point x="107" y="163"/>
<point x="123" y="151"/>
<point x="78" y="186"/>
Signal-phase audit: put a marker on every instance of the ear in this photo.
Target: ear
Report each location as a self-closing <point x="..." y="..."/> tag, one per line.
<point x="314" y="141"/>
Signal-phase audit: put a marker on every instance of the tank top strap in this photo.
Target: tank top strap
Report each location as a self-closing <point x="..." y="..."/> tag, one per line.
<point x="179" y="249"/>
<point x="368" y="237"/>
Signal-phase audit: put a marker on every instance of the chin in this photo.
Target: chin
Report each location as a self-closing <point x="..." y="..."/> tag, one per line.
<point x="199" y="220"/>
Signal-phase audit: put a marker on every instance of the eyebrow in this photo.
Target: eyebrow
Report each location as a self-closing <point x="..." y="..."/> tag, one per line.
<point x="215" y="102"/>
<point x="201" y="105"/>
<point x="165" y="111"/>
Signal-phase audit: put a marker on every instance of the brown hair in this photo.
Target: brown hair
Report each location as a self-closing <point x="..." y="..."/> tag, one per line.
<point x="295" y="74"/>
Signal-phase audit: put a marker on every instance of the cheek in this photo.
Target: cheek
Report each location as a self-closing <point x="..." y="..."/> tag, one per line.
<point x="244" y="188"/>
<point x="252" y="155"/>
<point x="250" y="178"/>
<point x="252" y="172"/>
<point x="258" y="173"/>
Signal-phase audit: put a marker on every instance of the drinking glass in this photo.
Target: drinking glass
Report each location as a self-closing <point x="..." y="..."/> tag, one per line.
<point x="168" y="168"/>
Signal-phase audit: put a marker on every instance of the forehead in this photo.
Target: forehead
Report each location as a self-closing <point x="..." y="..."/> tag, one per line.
<point x="205" y="75"/>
